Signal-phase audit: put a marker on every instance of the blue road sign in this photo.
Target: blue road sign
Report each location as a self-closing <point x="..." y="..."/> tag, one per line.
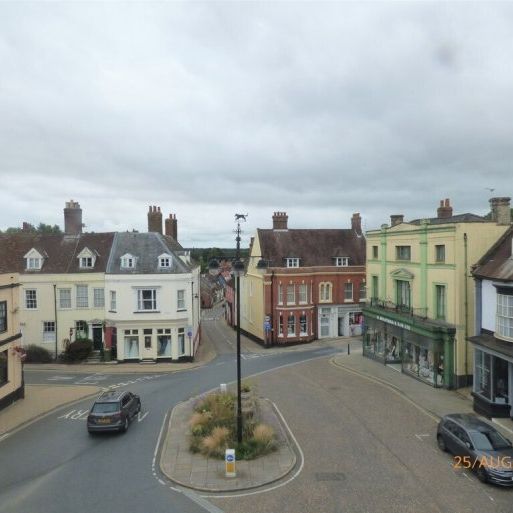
<point x="230" y="457"/>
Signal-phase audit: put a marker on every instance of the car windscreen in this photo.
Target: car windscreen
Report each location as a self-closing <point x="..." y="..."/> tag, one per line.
<point x="105" y="408"/>
<point x="489" y="441"/>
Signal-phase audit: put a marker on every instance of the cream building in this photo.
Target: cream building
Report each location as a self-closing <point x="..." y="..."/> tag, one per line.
<point x="420" y="310"/>
<point x="11" y="367"/>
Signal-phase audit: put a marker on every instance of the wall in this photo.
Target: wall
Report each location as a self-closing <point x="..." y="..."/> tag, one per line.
<point x="488" y="306"/>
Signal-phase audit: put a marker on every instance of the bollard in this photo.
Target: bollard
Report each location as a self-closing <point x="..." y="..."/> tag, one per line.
<point x="229" y="462"/>
<point x="348" y="348"/>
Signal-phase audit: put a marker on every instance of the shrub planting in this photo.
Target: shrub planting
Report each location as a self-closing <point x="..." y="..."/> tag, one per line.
<point x="38" y="354"/>
<point x="78" y="350"/>
<point x="213" y="428"/>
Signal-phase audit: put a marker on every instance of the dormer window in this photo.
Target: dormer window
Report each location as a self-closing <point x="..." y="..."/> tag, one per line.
<point x="292" y="262"/>
<point x="165" y="261"/>
<point x="341" y="261"/>
<point x="86" y="262"/>
<point x="127" y="261"/>
<point x="87" y="258"/>
<point x="34" y="260"/>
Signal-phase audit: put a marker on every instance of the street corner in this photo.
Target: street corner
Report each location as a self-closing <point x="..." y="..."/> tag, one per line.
<point x="206" y="474"/>
<point x="39" y="401"/>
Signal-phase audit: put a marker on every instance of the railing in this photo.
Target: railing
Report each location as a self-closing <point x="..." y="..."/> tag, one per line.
<point x="394" y="307"/>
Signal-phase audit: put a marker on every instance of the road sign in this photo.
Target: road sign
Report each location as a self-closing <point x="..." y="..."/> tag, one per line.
<point x="229" y="461"/>
<point x="267" y="326"/>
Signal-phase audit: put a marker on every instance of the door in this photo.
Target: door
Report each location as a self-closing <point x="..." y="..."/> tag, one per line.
<point x="97" y="338"/>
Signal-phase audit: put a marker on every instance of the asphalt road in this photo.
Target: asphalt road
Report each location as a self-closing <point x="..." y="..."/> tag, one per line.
<point x="365" y="449"/>
<point x="54" y="466"/>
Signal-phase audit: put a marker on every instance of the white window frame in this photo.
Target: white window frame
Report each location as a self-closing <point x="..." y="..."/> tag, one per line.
<point x="303" y="293"/>
<point x="292" y="262"/>
<point x="291" y="297"/>
<point x="280" y="294"/>
<point x="31" y="302"/>
<point x="65" y="303"/>
<point x="86" y="262"/>
<point x="127" y="262"/>
<point x="141" y="301"/>
<point x="113" y="302"/>
<point x="99" y="297"/>
<point x="165" y="261"/>
<point x="181" y="341"/>
<point x="305" y="331"/>
<point x="325" y="292"/>
<point x="348" y="287"/>
<point x="180" y="300"/>
<point x="82" y="300"/>
<point x="504" y="318"/>
<point x="46" y="332"/>
<point x="342" y="261"/>
<point x="33" y="263"/>
<point x="293" y="325"/>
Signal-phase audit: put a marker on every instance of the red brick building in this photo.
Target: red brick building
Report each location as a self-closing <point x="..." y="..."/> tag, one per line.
<point x="304" y="284"/>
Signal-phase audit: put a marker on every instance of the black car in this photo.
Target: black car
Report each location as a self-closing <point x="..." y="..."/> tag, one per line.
<point x="478" y="446"/>
<point x="113" y="411"/>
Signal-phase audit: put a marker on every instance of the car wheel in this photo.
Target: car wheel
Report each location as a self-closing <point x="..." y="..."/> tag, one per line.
<point x="482" y="475"/>
<point x="125" y="425"/>
<point x="441" y="443"/>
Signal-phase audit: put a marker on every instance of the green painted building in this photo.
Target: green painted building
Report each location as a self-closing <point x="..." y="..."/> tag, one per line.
<point x="420" y="310"/>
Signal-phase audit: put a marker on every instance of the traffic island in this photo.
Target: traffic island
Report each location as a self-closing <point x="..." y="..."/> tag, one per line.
<point x="208" y="474"/>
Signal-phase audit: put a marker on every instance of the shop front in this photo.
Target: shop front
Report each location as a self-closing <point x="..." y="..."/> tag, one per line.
<point x="418" y="347"/>
<point x="339" y="321"/>
<point x="493" y="376"/>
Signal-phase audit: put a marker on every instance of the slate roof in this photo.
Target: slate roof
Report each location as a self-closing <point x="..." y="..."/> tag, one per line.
<point x="497" y="263"/>
<point x="60" y="251"/>
<point x="459" y="218"/>
<point x="314" y="247"/>
<point x="146" y="247"/>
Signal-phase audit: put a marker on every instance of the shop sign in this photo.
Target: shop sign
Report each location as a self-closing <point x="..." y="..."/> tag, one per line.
<point x="394" y="323"/>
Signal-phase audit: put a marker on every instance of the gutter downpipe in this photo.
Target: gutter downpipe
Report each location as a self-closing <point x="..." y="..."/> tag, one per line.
<point x="465" y="247"/>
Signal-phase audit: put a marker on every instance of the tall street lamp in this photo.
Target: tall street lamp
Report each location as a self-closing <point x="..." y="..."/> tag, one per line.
<point x="237" y="271"/>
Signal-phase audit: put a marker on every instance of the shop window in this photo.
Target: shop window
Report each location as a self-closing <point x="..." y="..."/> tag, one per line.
<point x="482" y="378"/>
<point x="325" y="322"/>
<point x="500" y="378"/>
<point x="303" y="325"/>
<point x="131" y="347"/>
<point x="291" y="325"/>
<point x="163" y="345"/>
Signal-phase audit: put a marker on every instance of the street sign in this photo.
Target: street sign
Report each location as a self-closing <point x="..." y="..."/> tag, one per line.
<point x="267" y="326"/>
<point x="229" y="461"/>
<point x="189" y="331"/>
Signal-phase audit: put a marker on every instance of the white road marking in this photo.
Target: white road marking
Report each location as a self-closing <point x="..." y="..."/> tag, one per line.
<point x="421" y="437"/>
<point x="4" y="436"/>
<point x="140" y="417"/>
<point x="60" y="378"/>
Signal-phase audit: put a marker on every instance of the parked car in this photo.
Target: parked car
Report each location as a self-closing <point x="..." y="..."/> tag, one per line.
<point x="113" y="411"/>
<point x="477" y="445"/>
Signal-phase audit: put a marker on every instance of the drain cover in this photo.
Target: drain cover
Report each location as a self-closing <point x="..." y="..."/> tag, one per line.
<point x="329" y="476"/>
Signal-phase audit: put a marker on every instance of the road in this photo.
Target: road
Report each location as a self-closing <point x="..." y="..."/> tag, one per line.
<point x="365" y="449"/>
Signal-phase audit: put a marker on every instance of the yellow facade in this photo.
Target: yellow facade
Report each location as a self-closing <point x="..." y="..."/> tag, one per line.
<point x="11" y="372"/>
<point x="463" y="244"/>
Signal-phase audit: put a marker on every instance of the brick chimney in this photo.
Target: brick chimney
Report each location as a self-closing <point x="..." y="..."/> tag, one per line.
<point x="72" y="218"/>
<point x="27" y="227"/>
<point x="356" y="223"/>
<point x="501" y="212"/>
<point x="171" y="226"/>
<point x="280" y="220"/>
<point x="155" y="220"/>
<point x="396" y="219"/>
<point x="444" y="210"/>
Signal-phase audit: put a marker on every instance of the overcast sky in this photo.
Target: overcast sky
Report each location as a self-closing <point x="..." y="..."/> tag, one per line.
<point x="211" y="108"/>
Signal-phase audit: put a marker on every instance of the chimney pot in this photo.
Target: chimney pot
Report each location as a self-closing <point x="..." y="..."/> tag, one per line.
<point x="280" y="220"/>
<point x="444" y="211"/>
<point x="155" y="220"/>
<point x="72" y="218"/>
<point x="396" y="219"/>
<point x="501" y="212"/>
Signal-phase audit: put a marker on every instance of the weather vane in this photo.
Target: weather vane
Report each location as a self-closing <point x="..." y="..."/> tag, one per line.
<point x="238" y="217"/>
